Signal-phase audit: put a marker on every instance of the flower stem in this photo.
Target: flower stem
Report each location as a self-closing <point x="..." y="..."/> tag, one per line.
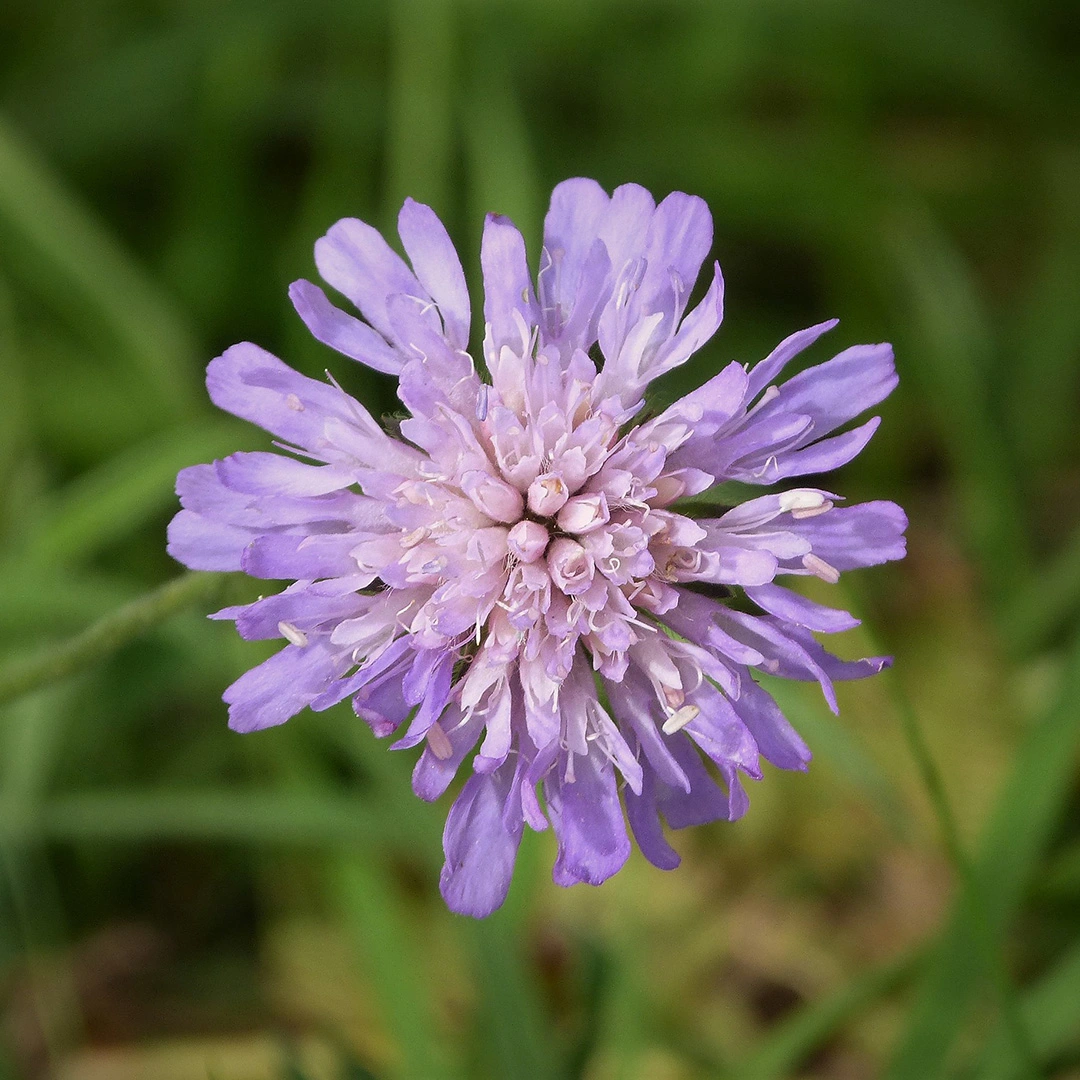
<point x="57" y="661"/>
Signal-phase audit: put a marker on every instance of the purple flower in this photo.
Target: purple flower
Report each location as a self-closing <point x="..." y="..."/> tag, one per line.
<point x="514" y="574"/>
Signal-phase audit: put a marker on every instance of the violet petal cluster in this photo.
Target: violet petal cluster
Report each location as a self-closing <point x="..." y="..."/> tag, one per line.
<point x="512" y="575"/>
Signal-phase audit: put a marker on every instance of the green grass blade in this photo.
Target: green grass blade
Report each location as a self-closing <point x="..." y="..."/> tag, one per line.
<point x="1044" y="604"/>
<point x="1062" y="878"/>
<point x="1046" y="339"/>
<point x="793" y="1040"/>
<point x="53" y="602"/>
<point x="13" y="422"/>
<point x="373" y="914"/>
<point x="87" y="274"/>
<point x="952" y="356"/>
<point x="516" y="1033"/>
<point x="503" y="177"/>
<point x="121" y="495"/>
<point x="421" y="104"/>
<point x="1052" y="1016"/>
<point x="839" y="747"/>
<point x="272" y="818"/>
<point x="1027" y="808"/>
<point x="31" y="733"/>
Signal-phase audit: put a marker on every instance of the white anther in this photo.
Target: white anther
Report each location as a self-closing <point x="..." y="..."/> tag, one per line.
<point x="820" y="568"/>
<point x="410" y="540"/>
<point x="679" y="719"/>
<point x="801" y="499"/>
<point x="292" y="634"/>
<point x="568" y="776"/>
<point x="824" y="508"/>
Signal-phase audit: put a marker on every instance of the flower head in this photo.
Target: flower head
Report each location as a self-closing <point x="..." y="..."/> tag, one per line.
<point x="514" y="572"/>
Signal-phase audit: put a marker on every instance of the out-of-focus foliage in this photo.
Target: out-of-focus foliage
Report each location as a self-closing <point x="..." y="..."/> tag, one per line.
<point x="178" y="902"/>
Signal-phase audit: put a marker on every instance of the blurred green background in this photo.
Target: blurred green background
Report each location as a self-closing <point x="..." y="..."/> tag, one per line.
<point x="179" y="902"/>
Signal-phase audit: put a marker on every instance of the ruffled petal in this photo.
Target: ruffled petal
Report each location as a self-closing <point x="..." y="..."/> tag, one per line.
<point x="206" y="543"/>
<point x="765" y="371"/>
<point x="850" y="537"/>
<point x="694" y="331"/>
<point x="819" y="457"/>
<point x="704" y="802"/>
<point x="777" y="740"/>
<point x="288" y="556"/>
<point x="792" y="607"/>
<point x="280" y="687"/>
<point x="260" y="473"/>
<point x="434" y="771"/>
<point x="355" y="259"/>
<point x="840" y="389"/>
<point x="644" y="817"/>
<point x="437" y="267"/>
<point x="574" y="263"/>
<point x="588" y="822"/>
<point x="254" y="385"/>
<point x="341" y="331"/>
<point x="510" y="307"/>
<point x="303" y="608"/>
<point x="481" y="843"/>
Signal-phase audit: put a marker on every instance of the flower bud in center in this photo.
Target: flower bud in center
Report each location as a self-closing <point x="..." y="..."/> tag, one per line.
<point x="547" y="495"/>
<point x="528" y="540"/>
<point x="492" y="496"/>
<point x="583" y="513"/>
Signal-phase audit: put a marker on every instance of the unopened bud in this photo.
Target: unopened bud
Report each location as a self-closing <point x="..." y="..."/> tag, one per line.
<point x="583" y="513"/>
<point x="570" y="566"/>
<point x="528" y="540"/>
<point x="493" y="496"/>
<point x="547" y="495"/>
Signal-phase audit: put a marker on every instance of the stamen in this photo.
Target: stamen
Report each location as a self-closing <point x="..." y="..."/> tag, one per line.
<point x="292" y="634"/>
<point x="440" y="745"/>
<point x="799" y="499"/>
<point x="824" y="508"/>
<point x="820" y="568"/>
<point x="568" y="775"/>
<point x="679" y="719"/>
<point x="803" y="503"/>
<point x="350" y="402"/>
